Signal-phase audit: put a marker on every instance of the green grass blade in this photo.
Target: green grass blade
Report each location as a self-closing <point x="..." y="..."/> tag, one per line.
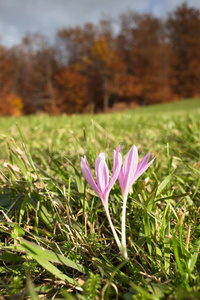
<point x="51" y="256"/>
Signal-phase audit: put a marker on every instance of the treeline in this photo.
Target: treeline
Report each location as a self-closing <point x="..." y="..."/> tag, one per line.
<point x="91" y="68"/>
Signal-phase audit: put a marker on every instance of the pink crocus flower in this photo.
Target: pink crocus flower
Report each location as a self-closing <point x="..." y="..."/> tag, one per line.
<point x="128" y="174"/>
<point x="131" y="171"/>
<point x="103" y="185"/>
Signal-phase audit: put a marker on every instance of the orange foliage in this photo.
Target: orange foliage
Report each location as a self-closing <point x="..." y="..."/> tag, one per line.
<point x="16" y="104"/>
<point x="10" y="105"/>
<point x="104" y="56"/>
<point x="127" y="86"/>
<point x="72" y="91"/>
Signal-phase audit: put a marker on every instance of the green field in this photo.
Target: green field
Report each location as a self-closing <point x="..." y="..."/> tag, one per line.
<point x="55" y="240"/>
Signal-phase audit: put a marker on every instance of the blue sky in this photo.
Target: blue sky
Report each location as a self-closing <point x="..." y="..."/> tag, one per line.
<point x="18" y="17"/>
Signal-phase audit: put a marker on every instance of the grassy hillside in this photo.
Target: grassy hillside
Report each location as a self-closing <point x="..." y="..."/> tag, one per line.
<point x="56" y="241"/>
<point x="58" y="132"/>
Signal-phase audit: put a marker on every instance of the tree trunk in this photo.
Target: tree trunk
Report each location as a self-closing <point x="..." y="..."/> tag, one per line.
<point x="105" y="94"/>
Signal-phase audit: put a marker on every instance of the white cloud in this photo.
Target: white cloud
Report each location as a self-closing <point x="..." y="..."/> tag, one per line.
<point x="9" y="35"/>
<point x="17" y="17"/>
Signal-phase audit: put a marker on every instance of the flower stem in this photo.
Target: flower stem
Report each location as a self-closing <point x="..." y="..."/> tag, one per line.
<point x="121" y="248"/>
<point x="125" y="196"/>
<point x="113" y="229"/>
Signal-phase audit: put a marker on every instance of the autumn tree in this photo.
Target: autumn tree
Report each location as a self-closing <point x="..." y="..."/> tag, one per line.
<point x="143" y="41"/>
<point x="107" y="63"/>
<point x="72" y="91"/>
<point x="91" y="50"/>
<point x="10" y="103"/>
<point x="34" y="73"/>
<point x="104" y="60"/>
<point x="74" y="46"/>
<point x="183" y="26"/>
<point x="75" y="43"/>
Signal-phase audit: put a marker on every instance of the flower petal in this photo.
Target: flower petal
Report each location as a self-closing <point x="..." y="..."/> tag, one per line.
<point x="143" y="169"/>
<point x="116" y="169"/>
<point x="121" y="179"/>
<point x="102" y="172"/>
<point x="130" y="166"/>
<point x="98" y="160"/>
<point x="88" y="175"/>
<point x="143" y="162"/>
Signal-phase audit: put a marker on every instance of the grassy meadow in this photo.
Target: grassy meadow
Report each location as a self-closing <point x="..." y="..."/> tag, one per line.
<point x="55" y="239"/>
